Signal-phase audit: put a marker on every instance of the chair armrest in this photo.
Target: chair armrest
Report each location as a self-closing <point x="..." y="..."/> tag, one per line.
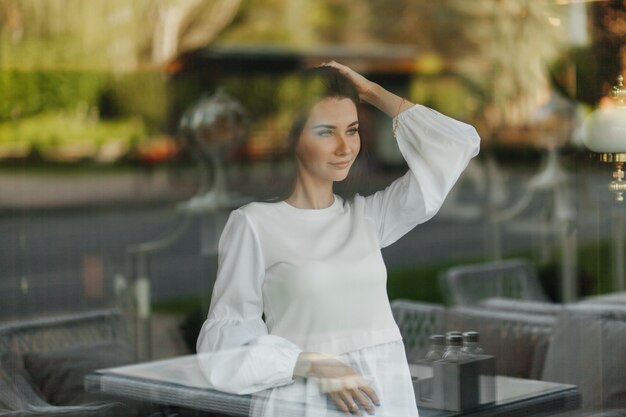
<point x="521" y="306"/>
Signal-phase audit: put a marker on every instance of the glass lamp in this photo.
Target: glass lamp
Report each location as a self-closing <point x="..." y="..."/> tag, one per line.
<point x="213" y="127"/>
<point x="604" y="133"/>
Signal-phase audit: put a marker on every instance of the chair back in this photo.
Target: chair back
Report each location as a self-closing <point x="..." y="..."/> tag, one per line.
<point x="54" y="333"/>
<point x="469" y="284"/>
<point x="518" y="341"/>
<point x="417" y="322"/>
<point x="521" y="306"/>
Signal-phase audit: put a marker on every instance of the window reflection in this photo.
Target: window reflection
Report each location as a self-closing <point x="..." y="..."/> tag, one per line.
<point x="105" y="260"/>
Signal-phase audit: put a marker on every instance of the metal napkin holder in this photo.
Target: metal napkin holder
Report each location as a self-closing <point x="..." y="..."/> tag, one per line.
<point x="455" y="386"/>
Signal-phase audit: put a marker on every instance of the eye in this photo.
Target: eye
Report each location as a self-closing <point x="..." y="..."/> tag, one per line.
<point x="325" y="132"/>
<point x="353" y="131"/>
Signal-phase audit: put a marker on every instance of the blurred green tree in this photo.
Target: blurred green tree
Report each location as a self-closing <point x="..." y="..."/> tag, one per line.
<point x="505" y="48"/>
<point x="117" y="35"/>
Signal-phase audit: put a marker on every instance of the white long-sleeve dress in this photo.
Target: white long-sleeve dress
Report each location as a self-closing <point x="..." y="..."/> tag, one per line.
<point x="318" y="278"/>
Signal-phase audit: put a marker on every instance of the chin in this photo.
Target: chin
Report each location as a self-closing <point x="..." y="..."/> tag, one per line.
<point x="340" y="177"/>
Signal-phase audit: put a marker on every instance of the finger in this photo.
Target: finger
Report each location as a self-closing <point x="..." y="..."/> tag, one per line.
<point x="340" y="402"/>
<point x="370" y="393"/>
<point x="348" y="398"/>
<point x="336" y="65"/>
<point x="363" y="400"/>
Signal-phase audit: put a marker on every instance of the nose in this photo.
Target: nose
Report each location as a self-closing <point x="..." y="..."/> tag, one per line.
<point x="343" y="148"/>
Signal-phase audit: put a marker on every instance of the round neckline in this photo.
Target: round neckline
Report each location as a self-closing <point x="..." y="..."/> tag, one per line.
<point x="334" y="207"/>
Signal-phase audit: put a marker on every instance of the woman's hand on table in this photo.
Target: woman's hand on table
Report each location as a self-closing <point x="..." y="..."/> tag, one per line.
<point x="343" y="384"/>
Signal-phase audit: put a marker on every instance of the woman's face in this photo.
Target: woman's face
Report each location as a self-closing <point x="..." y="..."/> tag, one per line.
<point x="329" y="142"/>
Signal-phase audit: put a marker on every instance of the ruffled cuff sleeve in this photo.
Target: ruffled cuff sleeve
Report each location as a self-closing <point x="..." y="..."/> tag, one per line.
<point x="265" y="363"/>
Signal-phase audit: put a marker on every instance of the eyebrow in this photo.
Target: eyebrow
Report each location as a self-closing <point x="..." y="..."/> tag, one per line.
<point x="332" y="126"/>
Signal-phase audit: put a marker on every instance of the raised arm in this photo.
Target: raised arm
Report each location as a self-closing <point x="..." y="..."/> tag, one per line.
<point x="436" y="148"/>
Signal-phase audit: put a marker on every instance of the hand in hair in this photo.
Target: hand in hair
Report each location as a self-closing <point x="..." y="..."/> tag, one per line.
<point x="372" y="93"/>
<point x="363" y="85"/>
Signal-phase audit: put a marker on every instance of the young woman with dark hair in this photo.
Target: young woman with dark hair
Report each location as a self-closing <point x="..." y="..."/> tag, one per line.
<point x="299" y="313"/>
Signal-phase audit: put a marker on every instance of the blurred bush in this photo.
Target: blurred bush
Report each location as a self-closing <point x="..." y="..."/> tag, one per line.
<point x="70" y="116"/>
<point x="70" y="136"/>
<point x="25" y="93"/>
<point x="139" y="94"/>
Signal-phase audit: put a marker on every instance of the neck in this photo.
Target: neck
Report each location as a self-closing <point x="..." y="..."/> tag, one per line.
<point x="311" y="194"/>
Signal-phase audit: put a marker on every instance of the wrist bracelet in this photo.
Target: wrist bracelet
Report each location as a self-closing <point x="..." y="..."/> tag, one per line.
<point x="400" y="106"/>
<point x="395" y="119"/>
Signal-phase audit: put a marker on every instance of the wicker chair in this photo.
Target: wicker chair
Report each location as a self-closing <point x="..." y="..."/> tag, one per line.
<point x="417" y="321"/>
<point x="469" y="284"/>
<point x="580" y="343"/>
<point x="50" y="333"/>
<point x="18" y="395"/>
<point x="519" y="341"/>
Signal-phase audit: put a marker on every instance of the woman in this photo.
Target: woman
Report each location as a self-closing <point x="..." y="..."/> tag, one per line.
<point x="312" y="265"/>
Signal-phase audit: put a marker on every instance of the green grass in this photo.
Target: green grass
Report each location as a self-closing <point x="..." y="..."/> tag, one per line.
<point x="181" y="306"/>
<point x="416" y="283"/>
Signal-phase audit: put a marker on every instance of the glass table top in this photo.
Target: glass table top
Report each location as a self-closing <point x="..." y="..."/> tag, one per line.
<point x="167" y="380"/>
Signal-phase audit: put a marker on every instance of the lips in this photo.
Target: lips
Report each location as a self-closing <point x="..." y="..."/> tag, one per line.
<point x="340" y="165"/>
